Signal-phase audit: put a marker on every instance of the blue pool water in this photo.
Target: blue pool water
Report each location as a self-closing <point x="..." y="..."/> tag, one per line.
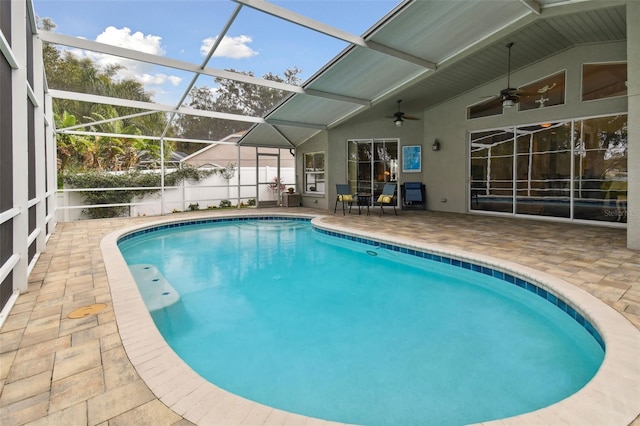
<point x="296" y="319"/>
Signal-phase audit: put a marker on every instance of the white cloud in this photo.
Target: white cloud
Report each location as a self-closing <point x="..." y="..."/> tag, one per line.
<point x="174" y="80"/>
<point x="158" y="79"/>
<point x="137" y="41"/>
<point x="139" y="71"/>
<point x="230" y="47"/>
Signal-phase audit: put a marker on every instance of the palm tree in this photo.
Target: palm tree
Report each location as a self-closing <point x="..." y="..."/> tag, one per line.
<point x="73" y="150"/>
<point x="115" y="152"/>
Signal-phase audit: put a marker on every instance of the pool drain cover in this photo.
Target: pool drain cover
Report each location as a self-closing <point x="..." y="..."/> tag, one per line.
<point x="85" y="311"/>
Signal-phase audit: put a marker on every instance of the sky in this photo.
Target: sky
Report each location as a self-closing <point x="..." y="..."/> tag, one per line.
<point x="185" y="29"/>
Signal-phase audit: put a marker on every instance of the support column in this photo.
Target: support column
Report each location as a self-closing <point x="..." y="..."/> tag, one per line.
<point x="633" y="129"/>
<point x="19" y="138"/>
<point x="41" y="152"/>
<point x="52" y="166"/>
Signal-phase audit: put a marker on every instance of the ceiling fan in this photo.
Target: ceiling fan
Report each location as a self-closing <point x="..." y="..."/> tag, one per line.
<point x="399" y="116"/>
<point x="510" y="96"/>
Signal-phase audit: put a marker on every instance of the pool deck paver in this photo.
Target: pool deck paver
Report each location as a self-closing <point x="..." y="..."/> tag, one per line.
<point x="55" y="370"/>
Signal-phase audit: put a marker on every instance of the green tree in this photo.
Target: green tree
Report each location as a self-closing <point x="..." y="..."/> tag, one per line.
<point x="65" y="71"/>
<point x="73" y="151"/>
<point x="245" y="98"/>
<point x="113" y="152"/>
<point x="231" y="97"/>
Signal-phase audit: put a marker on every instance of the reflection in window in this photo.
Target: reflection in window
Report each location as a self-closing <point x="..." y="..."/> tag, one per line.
<point x="492" y="171"/>
<point x="600" y="186"/>
<point x="485" y="109"/>
<point x="544" y="169"/>
<point x="371" y="164"/>
<point x="543" y="93"/>
<point x="604" y="80"/>
<point x="545" y="182"/>
<point x="314" y="173"/>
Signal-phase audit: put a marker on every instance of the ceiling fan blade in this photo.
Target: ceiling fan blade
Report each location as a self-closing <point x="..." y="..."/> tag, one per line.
<point x="519" y="92"/>
<point x="523" y="93"/>
<point x="400" y="116"/>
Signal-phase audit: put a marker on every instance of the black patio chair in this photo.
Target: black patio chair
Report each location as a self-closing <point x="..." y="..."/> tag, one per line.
<point x="387" y="198"/>
<point x="345" y="196"/>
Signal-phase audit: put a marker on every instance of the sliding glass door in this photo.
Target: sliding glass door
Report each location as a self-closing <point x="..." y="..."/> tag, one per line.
<point x="600" y="169"/>
<point x="544" y="169"/>
<point x="573" y="169"/>
<point x="492" y="170"/>
<point x="370" y="164"/>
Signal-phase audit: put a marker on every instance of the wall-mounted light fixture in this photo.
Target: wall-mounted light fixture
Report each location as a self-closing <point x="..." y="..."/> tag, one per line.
<point x="436" y="145"/>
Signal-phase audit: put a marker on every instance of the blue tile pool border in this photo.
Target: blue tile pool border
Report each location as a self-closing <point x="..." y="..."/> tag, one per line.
<point x="504" y="276"/>
<point x="192" y="222"/>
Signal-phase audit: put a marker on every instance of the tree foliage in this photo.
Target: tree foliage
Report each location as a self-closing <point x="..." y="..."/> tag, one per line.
<point x="73" y="151"/>
<point x="69" y="72"/>
<point x="234" y="97"/>
<point x="66" y="71"/>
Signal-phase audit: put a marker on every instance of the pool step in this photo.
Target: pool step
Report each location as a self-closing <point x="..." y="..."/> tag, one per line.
<point x="156" y="291"/>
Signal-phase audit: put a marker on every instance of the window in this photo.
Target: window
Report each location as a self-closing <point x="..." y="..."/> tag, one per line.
<point x="314" y="173"/>
<point x="546" y="92"/>
<point x="604" y="80"/>
<point x="485" y="108"/>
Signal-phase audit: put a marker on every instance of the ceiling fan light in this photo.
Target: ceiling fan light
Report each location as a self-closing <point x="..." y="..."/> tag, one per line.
<point x="398" y="122"/>
<point x="507" y="103"/>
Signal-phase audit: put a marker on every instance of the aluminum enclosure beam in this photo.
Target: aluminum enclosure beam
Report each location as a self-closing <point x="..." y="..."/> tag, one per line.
<point x="135" y="55"/>
<point x="83" y="97"/>
<point x="320" y="27"/>
<point x="154" y="107"/>
<point x="533" y="6"/>
<point x="275" y="122"/>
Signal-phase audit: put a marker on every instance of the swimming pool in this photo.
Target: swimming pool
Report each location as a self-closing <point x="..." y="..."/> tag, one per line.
<point x="412" y="335"/>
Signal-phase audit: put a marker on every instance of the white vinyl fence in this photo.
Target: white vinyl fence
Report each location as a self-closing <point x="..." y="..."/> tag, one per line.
<point x="209" y="192"/>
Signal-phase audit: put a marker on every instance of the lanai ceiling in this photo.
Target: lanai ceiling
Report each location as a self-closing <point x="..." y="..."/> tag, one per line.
<point x="423" y="52"/>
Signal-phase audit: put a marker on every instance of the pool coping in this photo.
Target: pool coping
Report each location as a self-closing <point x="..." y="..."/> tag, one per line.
<point x="607" y="399"/>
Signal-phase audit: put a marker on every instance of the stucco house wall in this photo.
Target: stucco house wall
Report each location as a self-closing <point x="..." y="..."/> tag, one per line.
<point x="445" y="172"/>
<point x="334" y="144"/>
